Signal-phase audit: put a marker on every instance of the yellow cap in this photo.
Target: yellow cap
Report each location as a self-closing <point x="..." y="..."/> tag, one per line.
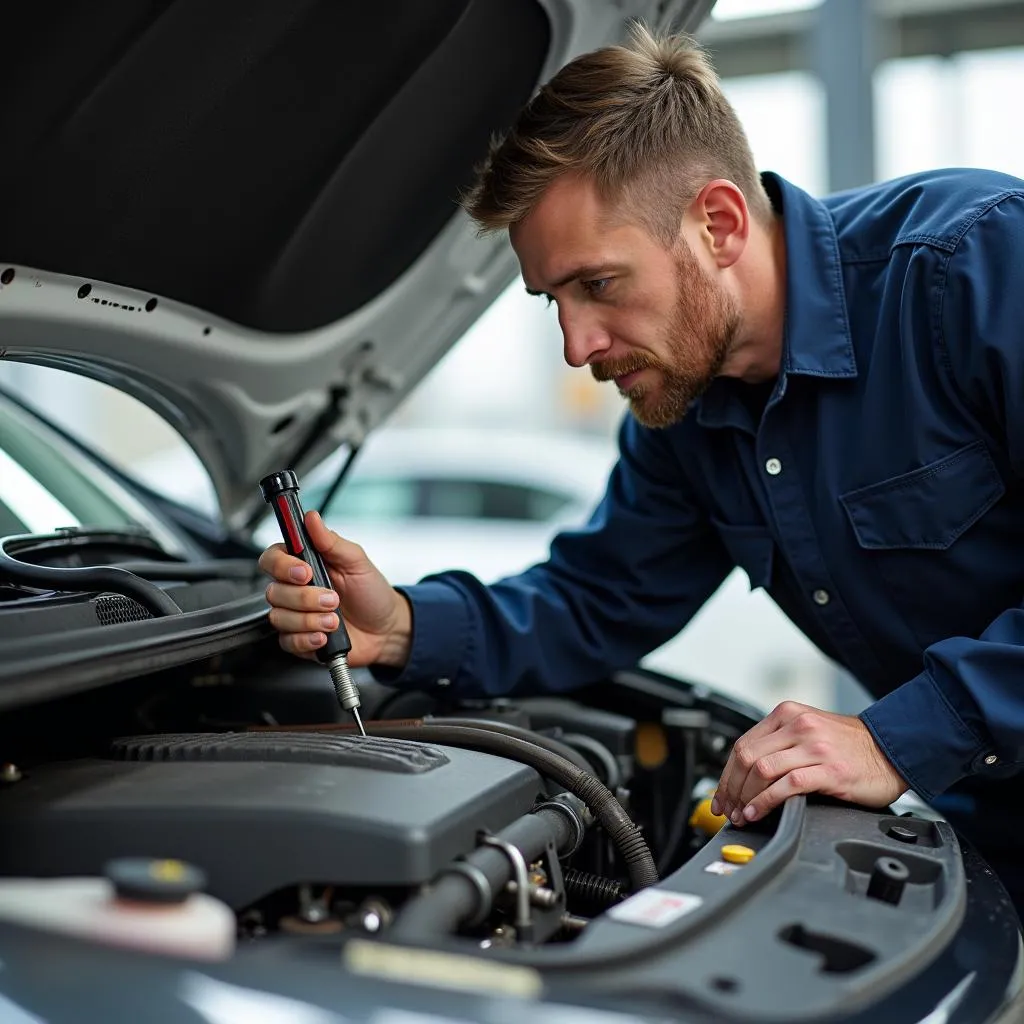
<point x="703" y="819"/>
<point x="167" y="870"/>
<point x="736" y="854"/>
<point x="651" y="745"/>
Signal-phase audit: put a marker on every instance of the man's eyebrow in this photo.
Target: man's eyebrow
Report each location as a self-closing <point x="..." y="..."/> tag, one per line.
<point x="579" y="273"/>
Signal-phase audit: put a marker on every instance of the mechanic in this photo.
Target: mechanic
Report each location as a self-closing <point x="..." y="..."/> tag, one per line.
<point x="827" y="393"/>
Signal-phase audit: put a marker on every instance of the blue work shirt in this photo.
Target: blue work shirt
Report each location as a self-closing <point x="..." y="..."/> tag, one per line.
<point x="874" y="489"/>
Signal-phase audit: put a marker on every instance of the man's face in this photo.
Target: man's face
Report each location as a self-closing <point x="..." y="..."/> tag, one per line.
<point x="651" y="319"/>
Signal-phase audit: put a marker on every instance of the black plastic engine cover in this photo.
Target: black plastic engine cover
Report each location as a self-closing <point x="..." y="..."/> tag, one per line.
<point x="256" y="826"/>
<point x="342" y="750"/>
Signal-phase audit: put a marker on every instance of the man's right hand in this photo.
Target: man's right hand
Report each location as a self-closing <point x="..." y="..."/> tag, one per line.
<point x="378" y="618"/>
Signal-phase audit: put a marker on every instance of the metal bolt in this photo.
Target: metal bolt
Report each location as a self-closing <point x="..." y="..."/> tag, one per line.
<point x="311" y="910"/>
<point x="374" y="915"/>
<point x="542" y="897"/>
<point x="539" y="895"/>
<point x="10" y="773"/>
<point x="573" y="923"/>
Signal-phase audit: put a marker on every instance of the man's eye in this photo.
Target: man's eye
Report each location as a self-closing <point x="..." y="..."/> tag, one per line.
<point x="597" y="287"/>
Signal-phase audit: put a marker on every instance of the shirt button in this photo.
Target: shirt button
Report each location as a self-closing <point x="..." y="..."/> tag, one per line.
<point x="991" y="759"/>
<point x="773" y="467"/>
<point x="821" y="597"/>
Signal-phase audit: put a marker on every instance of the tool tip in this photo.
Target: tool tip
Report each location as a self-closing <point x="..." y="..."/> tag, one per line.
<point x="359" y="721"/>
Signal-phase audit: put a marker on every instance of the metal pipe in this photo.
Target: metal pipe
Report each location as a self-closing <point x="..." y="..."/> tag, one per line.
<point x="457" y="896"/>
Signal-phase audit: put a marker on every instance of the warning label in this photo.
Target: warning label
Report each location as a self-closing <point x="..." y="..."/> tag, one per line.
<point x="655" y="908"/>
<point x="719" y="867"/>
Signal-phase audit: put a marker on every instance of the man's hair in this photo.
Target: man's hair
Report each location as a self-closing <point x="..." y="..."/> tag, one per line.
<point x="647" y="122"/>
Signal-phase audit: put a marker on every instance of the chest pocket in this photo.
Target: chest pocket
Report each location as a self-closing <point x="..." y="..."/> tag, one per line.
<point x="936" y="573"/>
<point x="928" y="508"/>
<point x="752" y="549"/>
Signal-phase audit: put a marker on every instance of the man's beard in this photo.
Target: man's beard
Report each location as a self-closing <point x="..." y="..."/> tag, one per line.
<point x="697" y="338"/>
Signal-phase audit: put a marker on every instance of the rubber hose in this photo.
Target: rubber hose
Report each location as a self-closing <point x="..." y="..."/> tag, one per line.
<point x="518" y="732"/>
<point x="584" y="744"/>
<point x="102" y="578"/>
<point x="453" y="899"/>
<point x="194" y="572"/>
<point x="503" y="728"/>
<point x="593" y="889"/>
<point x="602" y="803"/>
<point x="682" y="814"/>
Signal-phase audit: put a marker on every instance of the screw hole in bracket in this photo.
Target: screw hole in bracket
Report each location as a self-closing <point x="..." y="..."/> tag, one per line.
<point x="7" y="276"/>
<point x="83" y="292"/>
<point x="151" y="305"/>
<point x="725" y="984"/>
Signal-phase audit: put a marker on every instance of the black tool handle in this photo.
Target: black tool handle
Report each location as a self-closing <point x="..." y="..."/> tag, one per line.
<point x="281" y="491"/>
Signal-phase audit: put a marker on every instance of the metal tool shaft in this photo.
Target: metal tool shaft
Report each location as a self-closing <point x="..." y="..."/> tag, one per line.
<point x="345" y="688"/>
<point x="281" y="492"/>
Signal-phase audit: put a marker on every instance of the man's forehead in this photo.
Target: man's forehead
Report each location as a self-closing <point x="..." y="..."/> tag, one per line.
<point x="569" y="230"/>
<point x="569" y="203"/>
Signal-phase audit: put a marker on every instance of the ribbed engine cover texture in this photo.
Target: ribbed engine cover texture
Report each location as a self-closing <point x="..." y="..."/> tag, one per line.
<point x="340" y="749"/>
<point x="292" y="808"/>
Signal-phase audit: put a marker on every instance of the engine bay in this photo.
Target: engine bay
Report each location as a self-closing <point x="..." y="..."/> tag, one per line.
<point x="243" y="765"/>
<point x="305" y="827"/>
<point x="176" y="785"/>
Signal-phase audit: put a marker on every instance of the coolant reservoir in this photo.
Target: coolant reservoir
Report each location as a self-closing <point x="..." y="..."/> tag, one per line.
<point x="150" y="905"/>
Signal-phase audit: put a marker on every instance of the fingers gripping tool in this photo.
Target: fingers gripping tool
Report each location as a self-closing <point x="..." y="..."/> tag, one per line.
<point x="281" y="492"/>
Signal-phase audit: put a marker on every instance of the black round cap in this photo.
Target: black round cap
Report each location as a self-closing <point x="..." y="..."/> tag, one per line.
<point x="278" y="483"/>
<point x="887" y="880"/>
<point x="902" y="833"/>
<point x="149" y="880"/>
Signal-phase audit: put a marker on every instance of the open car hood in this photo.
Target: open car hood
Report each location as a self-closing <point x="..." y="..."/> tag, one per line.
<point x="244" y="214"/>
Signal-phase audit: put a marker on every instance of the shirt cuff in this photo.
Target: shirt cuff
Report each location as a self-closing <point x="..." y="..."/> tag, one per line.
<point x="920" y="732"/>
<point x="440" y="632"/>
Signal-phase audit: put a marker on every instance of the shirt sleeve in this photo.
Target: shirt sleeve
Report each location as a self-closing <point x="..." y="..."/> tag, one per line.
<point x="964" y="713"/>
<point x="608" y="594"/>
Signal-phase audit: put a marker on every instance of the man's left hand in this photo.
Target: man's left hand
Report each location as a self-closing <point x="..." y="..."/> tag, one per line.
<point x="799" y="749"/>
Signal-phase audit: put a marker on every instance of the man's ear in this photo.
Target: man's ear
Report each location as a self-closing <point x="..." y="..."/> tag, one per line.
<point x="723" y="220"/>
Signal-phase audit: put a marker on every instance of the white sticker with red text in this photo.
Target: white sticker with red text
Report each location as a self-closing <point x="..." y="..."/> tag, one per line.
<point x="719" y="867"/>
<point x="655" y="908"/>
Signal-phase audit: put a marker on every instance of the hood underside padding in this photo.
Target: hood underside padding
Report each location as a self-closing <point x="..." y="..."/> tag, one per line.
<point x="275" y="164"/>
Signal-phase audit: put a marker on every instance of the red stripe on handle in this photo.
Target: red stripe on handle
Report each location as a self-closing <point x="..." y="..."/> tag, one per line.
<point x="294" y="534"/>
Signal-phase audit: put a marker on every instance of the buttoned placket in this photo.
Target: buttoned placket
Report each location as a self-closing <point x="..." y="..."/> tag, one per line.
<point x="796" y="535"/>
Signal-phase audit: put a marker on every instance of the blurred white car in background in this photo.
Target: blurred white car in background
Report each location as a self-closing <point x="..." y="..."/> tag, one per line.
<point x="424" y="499"/>
<point x="421" y="500"/>
<point x="488" y="501"/>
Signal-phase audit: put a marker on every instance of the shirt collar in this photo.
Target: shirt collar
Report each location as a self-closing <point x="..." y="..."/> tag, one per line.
<point x="816" y="333"/>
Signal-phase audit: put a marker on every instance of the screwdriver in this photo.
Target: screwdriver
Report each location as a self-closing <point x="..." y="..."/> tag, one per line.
<point x="281" y="491"/>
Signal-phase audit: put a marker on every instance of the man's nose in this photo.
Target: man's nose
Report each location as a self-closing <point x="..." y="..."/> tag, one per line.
<point x="583" y="338"/>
